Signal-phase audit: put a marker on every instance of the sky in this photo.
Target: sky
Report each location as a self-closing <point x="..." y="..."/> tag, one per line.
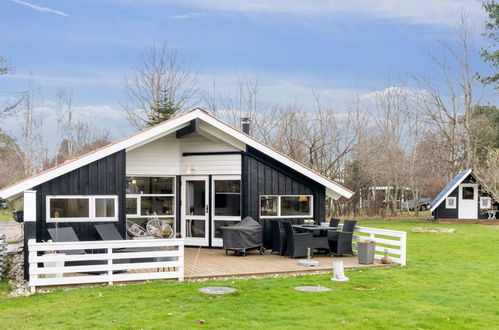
<point x="335" y="47"/>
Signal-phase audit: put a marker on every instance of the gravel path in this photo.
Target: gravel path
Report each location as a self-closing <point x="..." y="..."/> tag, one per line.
<point x="12" y="230"/>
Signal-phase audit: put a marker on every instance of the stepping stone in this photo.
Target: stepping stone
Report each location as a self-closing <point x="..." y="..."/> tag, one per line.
<point x="312" y="288"/>
<point x="217" y="290"/>
<point x="308" y="263"/>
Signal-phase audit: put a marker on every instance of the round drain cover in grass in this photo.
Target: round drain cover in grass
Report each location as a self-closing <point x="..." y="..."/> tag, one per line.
<point x="217" y="290"/>
<point x="312" y="288"/>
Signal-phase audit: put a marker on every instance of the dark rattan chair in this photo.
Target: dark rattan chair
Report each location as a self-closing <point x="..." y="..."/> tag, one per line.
<point x="340" y="242"/>
<point x="278" y="237"/>
<point x="332" y="223"/>
<point x="267" y="233"/>
<point x="297" y="243"/>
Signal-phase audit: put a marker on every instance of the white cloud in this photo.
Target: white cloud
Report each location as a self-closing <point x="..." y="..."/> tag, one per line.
<point x="278" y="89"/>
<point x="409" y="92"/>
<point x="58" y="80"/>
<point x="100" y="112"/>
<point x="186" y="16"/>
<point x="433" y="12"/>
<point x="42" y="9"/>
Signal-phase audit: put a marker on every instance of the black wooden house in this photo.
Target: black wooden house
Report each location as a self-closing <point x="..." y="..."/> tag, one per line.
<point x="193" y="170"/>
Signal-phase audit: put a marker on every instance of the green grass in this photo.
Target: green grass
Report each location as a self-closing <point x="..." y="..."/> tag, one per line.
<point x="5" y="215"/>
<point x="451" y="281"/>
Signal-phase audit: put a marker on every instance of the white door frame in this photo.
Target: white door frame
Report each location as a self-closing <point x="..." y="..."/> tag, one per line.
<point x="218" y="242"/>
<point x="196" y="241"/>
<point x="468" y="208"/>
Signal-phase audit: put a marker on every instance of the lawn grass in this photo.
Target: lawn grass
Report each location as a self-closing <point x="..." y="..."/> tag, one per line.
<point x="450" y="282"/>
<point x="5" y="215"/>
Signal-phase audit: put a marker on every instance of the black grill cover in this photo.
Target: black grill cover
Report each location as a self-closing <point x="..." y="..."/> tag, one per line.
<point x="243" y="235"/>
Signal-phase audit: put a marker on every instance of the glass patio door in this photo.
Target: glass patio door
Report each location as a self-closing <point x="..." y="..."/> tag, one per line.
<point x="195" y="210"/>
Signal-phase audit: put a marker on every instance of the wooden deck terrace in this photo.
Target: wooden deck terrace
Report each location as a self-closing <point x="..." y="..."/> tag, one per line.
<point x="214" y="263"/>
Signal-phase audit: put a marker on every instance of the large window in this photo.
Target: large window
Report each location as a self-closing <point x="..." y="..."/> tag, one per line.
<point x="228" y="198"/>
<point x="150" y="185"/>
<point x="82" y="208"/>
<point x="150" y="197"/>
<point x="269" y="206"/>
<point x="286" y="206"/>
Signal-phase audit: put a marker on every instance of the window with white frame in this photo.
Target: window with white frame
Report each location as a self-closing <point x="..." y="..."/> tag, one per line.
<point x="82" y="208"/>
<point x="450" y="202"/>
<point x="226" y="197"/>
<point x="485" y="202"/>
<point x="148" y="197"/>
<point x="286" y="206"/>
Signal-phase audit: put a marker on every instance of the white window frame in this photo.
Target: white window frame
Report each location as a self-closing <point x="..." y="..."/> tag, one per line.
<point x="91" y="212"/>
<point x="489" y="203"/>
<point x="447" y="204"/>
<point x="310" y="215"/>
<point x="137" y="215"/>
<point x="224" y="178"/>
<point x="218" y="242"/>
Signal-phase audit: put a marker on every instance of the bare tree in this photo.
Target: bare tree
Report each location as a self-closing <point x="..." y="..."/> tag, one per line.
<point x="10" y="105"/>
<point x="10" y="160"/>
<point x="159" y="83"/>
<point x="32" y="148"/>
<point x="448" y="101"/>
<point x="74" y="135"/>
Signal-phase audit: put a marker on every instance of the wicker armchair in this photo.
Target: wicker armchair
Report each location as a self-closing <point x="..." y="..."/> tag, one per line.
<point x="278" y="237"/>
<point x="297" y="243"/>
<point x="340" y="242"/>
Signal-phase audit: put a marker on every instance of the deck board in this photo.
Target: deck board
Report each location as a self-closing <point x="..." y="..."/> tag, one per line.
<point x="213" y="263"/>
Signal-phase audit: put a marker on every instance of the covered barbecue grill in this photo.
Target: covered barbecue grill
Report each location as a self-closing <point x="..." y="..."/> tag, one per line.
<point x="245" y="235"/>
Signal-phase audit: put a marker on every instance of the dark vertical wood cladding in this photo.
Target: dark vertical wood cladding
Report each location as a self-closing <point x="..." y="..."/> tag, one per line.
<point x="262" y="175"/>
<point x="442" y="212"/>
<point x="105" y="176"/>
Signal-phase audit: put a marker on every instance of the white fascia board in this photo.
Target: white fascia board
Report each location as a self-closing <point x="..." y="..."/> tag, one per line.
<point x="341" y="191"/>
<point x="332" y="194"/>
<point x="129" y="142"/>
<point x="450" y="190"/>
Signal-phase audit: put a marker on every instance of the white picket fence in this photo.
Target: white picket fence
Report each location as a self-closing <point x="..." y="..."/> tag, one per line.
<point x="3" y="254"/>
<point x="395" y="241"/>
<point x="144" y="259"/>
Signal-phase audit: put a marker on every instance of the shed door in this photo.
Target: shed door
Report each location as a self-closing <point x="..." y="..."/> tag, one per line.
<point x="468" y="201"/>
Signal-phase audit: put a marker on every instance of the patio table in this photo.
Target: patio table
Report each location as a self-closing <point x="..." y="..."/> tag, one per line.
<point x="314" y="227"/>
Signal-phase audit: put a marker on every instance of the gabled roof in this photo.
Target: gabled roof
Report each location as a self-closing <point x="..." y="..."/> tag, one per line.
<point x="456" y="181"/>
<point x="449" y="188"/>
<point x="333" y="189"/>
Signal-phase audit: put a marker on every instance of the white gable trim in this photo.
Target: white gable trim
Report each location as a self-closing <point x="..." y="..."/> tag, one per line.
<point x="450" y="190"/>
<point x="235" y="137"/>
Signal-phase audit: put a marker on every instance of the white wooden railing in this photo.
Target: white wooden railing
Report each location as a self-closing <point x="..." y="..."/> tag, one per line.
<point x="395" y="241"/>
<point x="144" y="259"/>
